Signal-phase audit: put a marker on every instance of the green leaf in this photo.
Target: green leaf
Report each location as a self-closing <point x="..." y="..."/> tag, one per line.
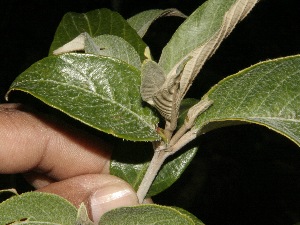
<point x="105" y="45"/>
<point x="191" y="216"/>
<point x="117" y="47"/>
<point x="95" y="23"/>
<point x="267" y="94"/>
<point x="101" y="92"/>
<point x="147" y="214"/>
<point x="37" y="208"/>
<point x="199" y="37"/>
<point x="131" y="160"/>
<point x="172" y="170"/>
<point x="142" y="21"/>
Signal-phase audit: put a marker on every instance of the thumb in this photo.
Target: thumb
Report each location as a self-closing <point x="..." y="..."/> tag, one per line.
<point x="99" y="192"/>
<point x="109" y="196"/>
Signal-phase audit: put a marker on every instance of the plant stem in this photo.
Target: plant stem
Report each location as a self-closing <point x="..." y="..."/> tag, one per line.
<point x="160" y="154"/>
<point x="180" y="139"/>
<point x="185" y="139"/>
<point x="155" y="164"/>
<point x="189" y="121"/>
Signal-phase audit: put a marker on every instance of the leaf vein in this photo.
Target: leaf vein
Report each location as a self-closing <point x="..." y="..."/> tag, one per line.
<point x="254" y="85"/>
<point x="97" y="95"/>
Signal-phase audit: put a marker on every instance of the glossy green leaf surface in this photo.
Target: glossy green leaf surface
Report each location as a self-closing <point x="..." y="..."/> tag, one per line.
<point x="146" y="215"/>
<point x="142" y="21"/>
<point x="101" y="92"/>
<point x="267" y="94"/>
<point x="37" y="208"/>
<point x="131" y="160"/>
<point x="95" y="23"/>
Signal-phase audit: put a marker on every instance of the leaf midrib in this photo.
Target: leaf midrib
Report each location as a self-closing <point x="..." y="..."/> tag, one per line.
<point x="95" y="94"/>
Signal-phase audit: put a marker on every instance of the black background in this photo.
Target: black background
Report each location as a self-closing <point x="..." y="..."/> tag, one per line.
<point x="241" y="175"/>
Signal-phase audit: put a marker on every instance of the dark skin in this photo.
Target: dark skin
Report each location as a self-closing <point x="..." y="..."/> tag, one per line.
<point x="61" y="160"/>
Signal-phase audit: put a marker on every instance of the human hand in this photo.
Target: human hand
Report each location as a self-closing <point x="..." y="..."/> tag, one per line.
<point x="61" y="160"/>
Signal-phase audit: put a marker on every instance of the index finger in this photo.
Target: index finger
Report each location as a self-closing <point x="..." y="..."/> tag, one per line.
<point x="31" y="143"/>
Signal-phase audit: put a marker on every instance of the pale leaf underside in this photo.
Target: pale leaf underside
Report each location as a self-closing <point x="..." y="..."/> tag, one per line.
<point x="200" y="55"/>
<point x="158" y="91"/>
<point x="142" y="21"/>
<point x="95" y="23"/>
<point x="174" y="56"/>
<point x="105" y="45"/>
<point x="152" y="79"/>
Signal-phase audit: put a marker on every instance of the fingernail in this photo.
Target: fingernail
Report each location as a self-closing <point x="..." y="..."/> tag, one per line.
<point x="108" y="198"/>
